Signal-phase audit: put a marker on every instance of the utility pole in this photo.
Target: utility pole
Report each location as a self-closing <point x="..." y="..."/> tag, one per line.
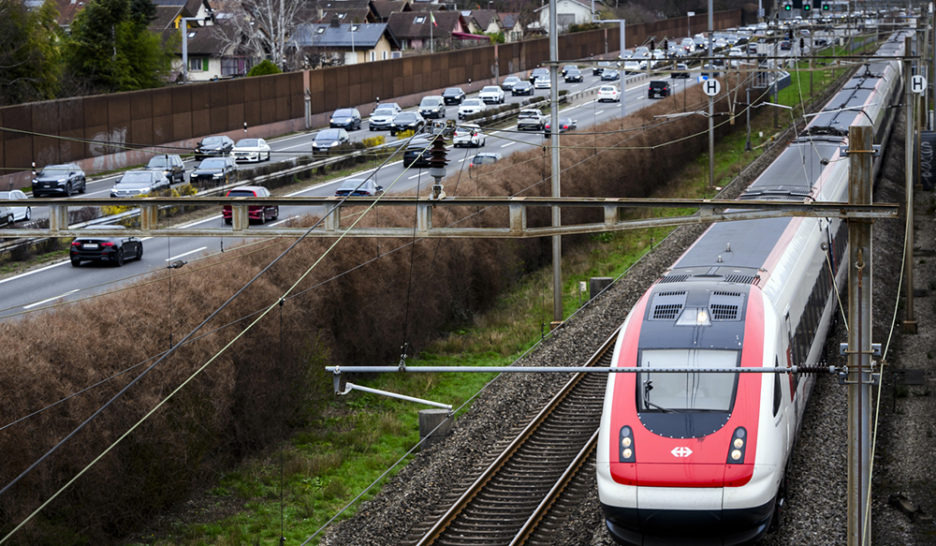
<point x="931" y="121"/>
<point x="860" y="154"/>
<point x="622" y="45"/>
<point x="554" y="159"/>
<point x="711" y="102"/>
<point x="909" y="323"/>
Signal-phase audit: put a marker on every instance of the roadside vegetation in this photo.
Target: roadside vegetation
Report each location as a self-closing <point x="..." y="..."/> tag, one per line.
<point x="358" y="307"/>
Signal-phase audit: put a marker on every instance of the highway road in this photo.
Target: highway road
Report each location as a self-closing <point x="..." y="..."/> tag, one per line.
<point x="59" y="282"/>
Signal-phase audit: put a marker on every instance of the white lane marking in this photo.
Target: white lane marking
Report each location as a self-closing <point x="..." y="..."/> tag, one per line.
<point x="283" y="221"/>
<point x="462" y="159"/>
<point x="186" y="254"/>
<point x="33" y="272"/>
<point x="300" y="145"/>
<point x="196" y="222"/>
<point x="38" y="303"/>
<point x="598" y="112"/>
<point x="508" y="144"/>
<point x="414" y="176"/>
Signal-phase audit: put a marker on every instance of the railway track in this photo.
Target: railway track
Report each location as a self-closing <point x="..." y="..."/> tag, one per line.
<point x="540" y="475"/>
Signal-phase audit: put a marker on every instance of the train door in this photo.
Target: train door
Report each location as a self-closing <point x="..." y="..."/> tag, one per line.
<point x="790" y="380"/>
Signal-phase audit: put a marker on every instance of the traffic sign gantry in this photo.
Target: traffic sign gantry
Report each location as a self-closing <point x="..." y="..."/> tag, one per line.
<point x="711" y="87"/>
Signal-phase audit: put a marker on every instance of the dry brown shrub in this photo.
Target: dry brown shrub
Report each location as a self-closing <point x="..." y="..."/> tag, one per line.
<point x="260" y="389"/>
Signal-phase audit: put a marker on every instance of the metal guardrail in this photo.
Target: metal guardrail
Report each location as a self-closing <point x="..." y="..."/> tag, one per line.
<point x="516" y="225"/>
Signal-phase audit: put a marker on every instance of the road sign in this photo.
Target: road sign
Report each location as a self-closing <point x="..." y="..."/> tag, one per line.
<point x="918" y="84"/>
<point x="711" y="87"/>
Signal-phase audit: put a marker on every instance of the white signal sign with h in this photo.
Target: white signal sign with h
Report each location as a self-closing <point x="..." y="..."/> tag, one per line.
<point x="711" y="87"/>
<point x="918" y="84"/>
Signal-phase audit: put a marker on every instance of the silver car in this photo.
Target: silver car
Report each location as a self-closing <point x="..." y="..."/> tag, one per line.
<point x="136" y="183"/>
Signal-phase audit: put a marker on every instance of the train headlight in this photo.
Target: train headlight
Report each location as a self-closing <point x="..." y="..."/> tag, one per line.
<point x="626" y="453"/>
<point x="694" y="317"/>
<point x="738" y="446"/>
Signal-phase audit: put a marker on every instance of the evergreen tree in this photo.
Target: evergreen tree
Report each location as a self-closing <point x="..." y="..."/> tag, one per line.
<point x="110" y="48"/>
<point x="30" y="63"/>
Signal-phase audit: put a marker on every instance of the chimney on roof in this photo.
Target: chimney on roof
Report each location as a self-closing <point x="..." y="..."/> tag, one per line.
<point x="335" y="22"/>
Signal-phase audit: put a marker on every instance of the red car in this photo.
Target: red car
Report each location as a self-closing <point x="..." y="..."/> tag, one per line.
<point x="260" y="213"/>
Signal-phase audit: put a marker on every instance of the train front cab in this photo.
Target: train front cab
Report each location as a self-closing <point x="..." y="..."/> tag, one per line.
<point x="646" y="500"/>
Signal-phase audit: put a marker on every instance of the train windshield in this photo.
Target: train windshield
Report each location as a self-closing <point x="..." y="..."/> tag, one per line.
<point x="687" y="391"/>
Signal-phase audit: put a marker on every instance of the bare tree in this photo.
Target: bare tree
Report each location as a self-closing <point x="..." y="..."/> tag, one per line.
<point x="264" y="28"/>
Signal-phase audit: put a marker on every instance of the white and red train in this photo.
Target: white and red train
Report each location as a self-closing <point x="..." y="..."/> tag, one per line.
<point x="700" y="458"/>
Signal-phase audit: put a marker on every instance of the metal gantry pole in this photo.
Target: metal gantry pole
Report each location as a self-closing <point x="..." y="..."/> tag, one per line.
<point x="711" y="102"/>
<point x="554" y="158"/>
<point x="909" y="323"/>
<point x="932" y="120"/>
<point x="859" y="334"/>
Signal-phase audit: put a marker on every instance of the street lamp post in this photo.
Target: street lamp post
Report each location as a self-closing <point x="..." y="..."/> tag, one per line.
<point x="185" y="20"/>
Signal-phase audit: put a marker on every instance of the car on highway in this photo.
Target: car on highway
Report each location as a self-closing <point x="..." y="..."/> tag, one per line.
<point x="14" y="213"/>
<point x="631" y="66"/>
<point x="707" y="73"/>
<point x="538" y="73"/>
<point x="394" y="105"/>
<point x="658" y="88"/>
<point x="260" y="213"/>
<point x="470" y="107"/>
<point x="565" y="124"/>
<point x="530" y="119"/>
<point x="609" y="75"/>
<point x="522" y="88"/>
<point x="432" y="107"/>
<point x="509" y="83"/>
<point x="326" y="139"/>
<point x="407" y="121"/>
<point x="600" y="67"/>
<point x="565" y="69"/>
<point x="453" y="95"/>
<point x="492" y="94"/>
<point x="381" y="118"/>
<point x="786" y="45"/>
<point x="137" y="183"/>
<point x="213" y="146"/>
<point x="348" y="119"/>
<point x="484" y="158"/>
<point x="359" y="187"/>
<point x="543" y="82"/>
<point x="105" y="248"/>
<point x="252" y="149"/>
<point x="468" y="135"/>
<point x="416" y="153"/>
<point x="65" y="179"/>
<point x="214" y="171"/>
<point x="573" y="74"/>
<point x="170" y="165"/>
<point x="609" y="93"/>
<point x="681" y="71"/>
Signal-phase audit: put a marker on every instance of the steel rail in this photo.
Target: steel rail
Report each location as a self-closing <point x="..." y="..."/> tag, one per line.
<point x="520" y="441"/>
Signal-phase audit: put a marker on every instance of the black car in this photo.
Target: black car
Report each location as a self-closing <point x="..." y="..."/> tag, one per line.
<point x="565" y="124"/>
<point x="66" y="179"/>
<point x="432" y="106"/>
<point x="105" y="248"/>
<point x="600" y="67"/>
<point x="214" y="171"/>
<point x="522" y="88"/>
<point x="417" y="153"/>
<point x="453" y="95"/>
<point x="326" y="139"/>
<point x="786" y="45"/>
<point x="658" y="89"/>
<point x="170" y="165"/>
<point x="345" y="118"/>
<point x="681" y="71"/>
<point x="407" y="121"/>
<point x="573" y="75"/>
<point x="609" y="75"/>
<point x="214" y="146"/>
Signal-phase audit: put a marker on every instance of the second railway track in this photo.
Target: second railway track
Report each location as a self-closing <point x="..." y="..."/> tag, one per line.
<point x="509" y="500"/>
